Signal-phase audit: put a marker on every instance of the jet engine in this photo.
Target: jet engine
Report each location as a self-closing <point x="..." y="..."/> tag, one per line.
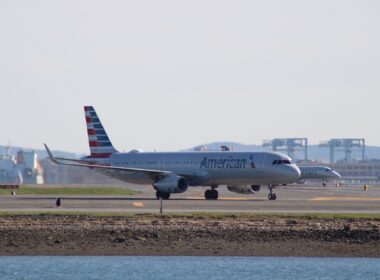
<point x="171" y="184"/>
<point x="244" y="189"/>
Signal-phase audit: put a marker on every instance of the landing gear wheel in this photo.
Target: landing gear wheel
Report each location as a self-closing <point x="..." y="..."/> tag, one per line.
<point x="211" y="194"/>
<point x="208" y="194"/>
<point x="163" y="195"/>
<point x="214" y="194"/>
<point x="324" y="184"/>
<point x="272" y="196"/>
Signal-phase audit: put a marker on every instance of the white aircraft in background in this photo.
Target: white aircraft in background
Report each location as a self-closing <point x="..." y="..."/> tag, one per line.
<point x="321" y="173"/>
<point x="174" y="172"/>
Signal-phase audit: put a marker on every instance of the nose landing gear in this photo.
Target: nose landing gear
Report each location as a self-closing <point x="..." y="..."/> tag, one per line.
<point x="271" y="195"/>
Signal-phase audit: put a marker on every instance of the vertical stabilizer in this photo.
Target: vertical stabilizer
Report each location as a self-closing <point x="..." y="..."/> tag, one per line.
<point x="100" y="144"/>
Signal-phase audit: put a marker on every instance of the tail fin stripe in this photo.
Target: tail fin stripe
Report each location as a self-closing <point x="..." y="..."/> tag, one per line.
<point x="97" y="126"/>
<point x="103" y="139"/>
<point x="91" y="131"/>
<point x="100" y="144"/>
<point x="100" y="132"/>
<point x="101" y="155"/>
<point x="93" y="143"/>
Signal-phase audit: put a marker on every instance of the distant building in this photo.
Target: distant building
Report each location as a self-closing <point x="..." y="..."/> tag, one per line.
<point x="29" y="167"/>
<point x="22" y="169"/>
<point x="9" y="173"/>
<point x="359" y="172"/>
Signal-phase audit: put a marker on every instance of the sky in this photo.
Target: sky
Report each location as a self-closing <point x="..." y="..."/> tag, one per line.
<point x="168" y="75"/>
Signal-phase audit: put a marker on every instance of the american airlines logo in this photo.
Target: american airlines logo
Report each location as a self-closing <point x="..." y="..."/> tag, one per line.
<point x="225" y="163"/>
<point x="251" y="162"/>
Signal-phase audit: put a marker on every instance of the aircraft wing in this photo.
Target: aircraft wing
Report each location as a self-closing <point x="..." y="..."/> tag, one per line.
<point x="105" y="168"/>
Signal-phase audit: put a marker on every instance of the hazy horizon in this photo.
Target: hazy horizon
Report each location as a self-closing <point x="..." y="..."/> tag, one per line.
<point x="171" y="75"/>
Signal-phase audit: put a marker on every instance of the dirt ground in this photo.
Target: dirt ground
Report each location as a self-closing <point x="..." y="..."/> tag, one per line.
<point x="188" y="236"/>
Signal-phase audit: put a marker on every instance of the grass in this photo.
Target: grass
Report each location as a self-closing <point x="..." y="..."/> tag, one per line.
<point x="72" y="190"/>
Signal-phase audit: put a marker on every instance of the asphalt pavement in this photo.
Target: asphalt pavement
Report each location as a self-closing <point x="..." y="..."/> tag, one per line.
<point x="290" y="199"/>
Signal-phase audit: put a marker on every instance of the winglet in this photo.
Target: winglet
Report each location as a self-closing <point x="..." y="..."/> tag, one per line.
<point x="51" y="157"/>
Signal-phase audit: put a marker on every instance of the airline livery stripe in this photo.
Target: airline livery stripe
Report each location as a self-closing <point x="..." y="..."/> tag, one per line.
<point x="102" y="149"/>
<point x="93" y="123"/>
<point x="100" y="155"/>
<point x="91" y="131"/>
<point x="93" y="143"/>
<point x="98" y="126"/>
<point x="103" y="138"/>
<point x="99" y="144"/>
<point x="100" y="132"/>
<point x="95" y="120"/>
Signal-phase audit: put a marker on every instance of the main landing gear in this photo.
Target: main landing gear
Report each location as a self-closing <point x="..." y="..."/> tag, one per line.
<point x="211" y="194"/>
<point x="163" y="195"/>
<point x="271" y="195"/>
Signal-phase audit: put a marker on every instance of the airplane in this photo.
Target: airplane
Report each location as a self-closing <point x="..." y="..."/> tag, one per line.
<point x="174" y="172"/>
<point x="323" y="173"/>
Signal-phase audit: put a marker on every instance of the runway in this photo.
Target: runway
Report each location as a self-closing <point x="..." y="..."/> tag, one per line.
<point x="290" y="199"/>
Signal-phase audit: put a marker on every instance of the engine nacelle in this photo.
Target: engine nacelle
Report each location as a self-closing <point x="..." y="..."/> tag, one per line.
<point x="171" y="184"/>
<point x="256" y="188"/>
<point x="244" y="189"/>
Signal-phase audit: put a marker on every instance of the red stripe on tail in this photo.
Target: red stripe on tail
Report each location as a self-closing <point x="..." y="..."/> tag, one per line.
<point x="91" y="132"/>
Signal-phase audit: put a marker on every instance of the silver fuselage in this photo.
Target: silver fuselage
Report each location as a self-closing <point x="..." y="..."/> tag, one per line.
<point x="318" y="173"/>
<point x="206" y="168"/>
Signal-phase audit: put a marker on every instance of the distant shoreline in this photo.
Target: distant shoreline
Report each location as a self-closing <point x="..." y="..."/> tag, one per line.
<point x="189" y="236"/>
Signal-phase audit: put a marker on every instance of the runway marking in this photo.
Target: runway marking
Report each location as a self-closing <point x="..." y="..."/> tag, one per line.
<point x="345" y="198"/>
<point x="138" y="204"/>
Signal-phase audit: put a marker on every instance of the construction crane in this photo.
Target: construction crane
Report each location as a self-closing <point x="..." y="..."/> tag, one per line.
<point x="288" y="145"/>
<point x="346" y="145"/>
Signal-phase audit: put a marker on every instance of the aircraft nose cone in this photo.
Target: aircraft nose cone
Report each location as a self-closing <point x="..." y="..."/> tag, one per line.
<point x="293" y="173"/>
<point x="337" y="175"/>
<point x="296" y="172"/>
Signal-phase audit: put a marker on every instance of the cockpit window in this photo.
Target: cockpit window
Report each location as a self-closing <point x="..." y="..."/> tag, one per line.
<point x="328" y="169"/>
<point x="281" y="161"/>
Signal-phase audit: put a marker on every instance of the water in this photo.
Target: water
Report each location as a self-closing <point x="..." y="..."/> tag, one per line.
<point x="183" y="268"/>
